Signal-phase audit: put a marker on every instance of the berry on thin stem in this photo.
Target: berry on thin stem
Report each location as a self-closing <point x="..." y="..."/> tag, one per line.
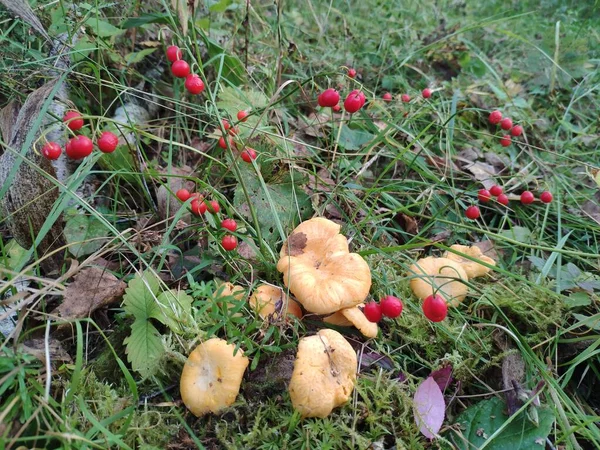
<point x="496" y="190"/>
<point x="495" y="117"/>
<point x="502" y="199"/>
<point x="248" y="155"/>
<point x="180" y="68"/>
<point x="527" y="197"/>
<point x="79" y="147"/>
<point x="351" y="73"/>
<point x="229" y="224"/>
<point x="505" y="140"/>
<point x="472" y="212"/>
<point x="213" y="207"/>
<point x="183" y="195"/>
<point x="51" y="150"/>
<point x="435" y="308"/>
<point x="391" y="306"/>
<point x="405" y="98"/>
<point x="546" y="197"/>
<point x="517" y="130"/>
<point x="328" y="98"/>
<point x="194" y="84"/>
<point x="426" y="93"/>
<point x="73" y="120"/>
<point x="107" y="142"/>
<point x="387" y="97"/>
<point x="174" y="53"/>
<point x="243" y="115"/>
<point x="484" y="195"/>
<point x="506" y="123"/>
<point x="372" y="312"/>
<point x="229" y="242"/>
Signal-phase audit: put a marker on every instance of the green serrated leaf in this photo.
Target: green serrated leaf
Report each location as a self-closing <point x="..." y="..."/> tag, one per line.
<point x="144" y="347"/>
<point x="82" y="49"/>
<point x="278" y="208"/>
<point x="136" y="57"/>
<point x="519" y="234"/>
<point x="232" y="100"/>
<point x="84" y="235"/>
<point x="174" y="310"/>
<point x="353" y="139"/>
<point x="12" y="256"/>
<point x="140" y="296"/>
<point x="479" y="422"/>
<point x="577" y="299"/>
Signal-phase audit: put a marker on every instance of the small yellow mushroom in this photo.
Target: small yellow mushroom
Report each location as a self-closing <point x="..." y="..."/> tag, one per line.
<point x="443" y="276"/>
<point x="353" y="317"/>
<point x="264" y="301"/>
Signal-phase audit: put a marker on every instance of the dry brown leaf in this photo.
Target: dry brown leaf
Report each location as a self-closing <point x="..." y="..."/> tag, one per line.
<point x="8" y="118"/>
<point x="168" y="204"/>
<point x="483" y="172"/>
<point x="408" y="223"/>
<point x="591" y="208"/>
<point x="488" y="249"/>
<point x="442" y="164"/>
<point x="93" y="288"/>
<point x="37" y="348"/>
<point x="22" y="9"/>
<point x="295" y="244"/>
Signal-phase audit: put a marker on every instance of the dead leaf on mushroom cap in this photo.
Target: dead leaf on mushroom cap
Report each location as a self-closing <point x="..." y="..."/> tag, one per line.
<point x="93" y="288"/>
<point x="296" y="244"/>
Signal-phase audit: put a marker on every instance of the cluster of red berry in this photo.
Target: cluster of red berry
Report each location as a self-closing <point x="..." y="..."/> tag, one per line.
<point x="434" y="308"/>
<point x="484" y="196"/>
<point x="181" y="69"/>
<point x="248" y="153"/>
<point x="330" y="98"/>
<point x="199" y="205"/>
<point x="80" y="146"/>
<point x="506" y="124"/>
<point x="426" y="93"/>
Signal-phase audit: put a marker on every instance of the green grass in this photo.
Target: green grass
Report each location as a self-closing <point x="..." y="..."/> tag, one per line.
<point x="389" y="163"/>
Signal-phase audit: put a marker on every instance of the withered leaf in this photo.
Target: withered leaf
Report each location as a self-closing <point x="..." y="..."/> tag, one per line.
<point x="295" y="244"/>
<point x="408" y="223"/>
<point x="92" y="289"/>
<point x="37" y="348"/>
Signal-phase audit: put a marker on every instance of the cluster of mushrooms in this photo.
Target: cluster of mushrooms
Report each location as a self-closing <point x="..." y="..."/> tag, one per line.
<point x="327" y="280"/>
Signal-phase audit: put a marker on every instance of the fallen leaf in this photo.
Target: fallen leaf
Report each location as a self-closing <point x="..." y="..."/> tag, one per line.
<point x="92" y="288"/>
<point x="429" y="408"/>
<point x="513" y="373"/>
<point x="169" y="204"/>
<point x="591" y="208"/>
<point x="408" y="223"/>
<point x="483" y="172"/>
<point x="38" y="349"/>
<point x="488" y="249"/>
<point x="295" y="244"/>
<point x="22" y="9"/>
<point x="442" y="376"/>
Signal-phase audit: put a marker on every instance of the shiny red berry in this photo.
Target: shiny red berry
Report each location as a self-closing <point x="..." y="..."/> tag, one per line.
<point x="517" y="130"/>
<point x="435" y="308"/>
<point x="472" y="212"/>
<point x="328" y="98"/>
<point x="249" y="154"/>
<point x="426" y="93"/>
<point x="79" y="147"/>
<point x="183" y="195"/>
<point x="225" y="124"/>
<point x="336" y="108"/>
<point x="242" y="116"/>
<point x="229" y="224"/>
<point x="354" y="102"/>
<point x="213" y="207"/>
<point x="194" y="84"/>
<point x="73" y="120"/>
<point x="198" y="206"/>
<point x="527" y="198"/>
<point x="546" y="197"/>
<point x="484" y="195"/>
<point x="391" y="306"/>
<point x="502" y="199"/>
<point x="496" y="190"/>
<point x="506" y="123"/>
<point x="405" y="98"/>
<point x="495" y="117"/>
<point x="51" y="150"/>
<point x="372" y="312"/>
<point x="174" y="53"/>
<point x="229" y="242"/>
<point x="180" y="68"/>
<point x="387" y="97"/>
<point x="352" y="73"/>
<point x="505" y="140"/>
<point x="107" y="142"/>
<point x="223" y="144"/>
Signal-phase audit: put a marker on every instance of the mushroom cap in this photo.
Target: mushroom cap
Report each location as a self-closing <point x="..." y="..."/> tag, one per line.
<point x="439" y="275"/>
<point x="319" y="269"/>
<point x="264" y="301"/>
<point x="324" y="374"/>
<point x="472" y="268"/>
<point x="353" y="317"/>
<point x="212" y="376"/>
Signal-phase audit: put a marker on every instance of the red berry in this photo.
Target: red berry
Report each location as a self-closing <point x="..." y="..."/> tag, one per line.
<point x="472" y="212"/>
<point x="484" y="195"/>
<point x="107" y="142"/>
<point x="229" y="224"/>
<point x="234" y="131"/>
<point x="73" y="120"/>
<point x="495" y="117"/>
<point x="354" y="102"/>
<point x="351" y="73"/>
<point x="336" y="108"/>
<point x="391" y="306"/>
<point x="546" y="197"/>
<point x="79" y="147"/>
<point x="405" y="98"/>
<point x="426" y="93"/>
<point x="435" y="308"/>
<point x="229" y="242"/>
<point x="198" y="207"/>
<point x="223" y="144"/>
<point x="51" y="150"/>
<point x="496" y="190"/>
<point x="387" y="97"/>
<point x="174" y="53"/>
<point x="249" y="154"/>
<point x="183" y="195"/>
<point x="180" y="68"/>
<point x="527" y="198"/>
<point x="506" y="123"/>
<point x="372" y="312"/>
<point x="225" y="124"/>
<point x="329" y="98"/>
<point x="502" y="199"/>
<point x="505" y="140"/>
<point x="242" y="116"/>
<point x="213" y="207"/>
<point x="517" y="130"/>
<point x="194" y="84"/>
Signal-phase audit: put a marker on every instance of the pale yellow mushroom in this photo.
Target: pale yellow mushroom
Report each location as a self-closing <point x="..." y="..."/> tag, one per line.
<point x="441" y="276"/>
<point x="353" y="317"/>
<point x="472" y="268"/>
<point x="264" y="301"/>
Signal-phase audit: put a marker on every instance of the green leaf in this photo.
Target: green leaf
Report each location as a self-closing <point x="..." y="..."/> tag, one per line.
<point x="140" y="296"/>
<point x="231" y="68"/>
<point x="134" y="22"/>
<point x="82" y="49"/>
<point x="353" y="139"/>
<point x="283" y="202"/>
<point x="136" y="57"/>
<point x="144" y="347"/>
<point x="519" y="234"/>
<point x="577" y="299"/>
<point x="12" y="255"/>
<point x="174" y="310"/>
<point x="220" y="6"/>
<point x="479" y="422"/>
<point x="592" y="322"/>
<point x="84" y="235"/>
<point x="103" y="28"/>
<point x="233" y="100"/>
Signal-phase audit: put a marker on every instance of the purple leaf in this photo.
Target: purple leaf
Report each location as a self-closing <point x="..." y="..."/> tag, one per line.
<point x="429" y="406"/>
<point x="443" y="377"/>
